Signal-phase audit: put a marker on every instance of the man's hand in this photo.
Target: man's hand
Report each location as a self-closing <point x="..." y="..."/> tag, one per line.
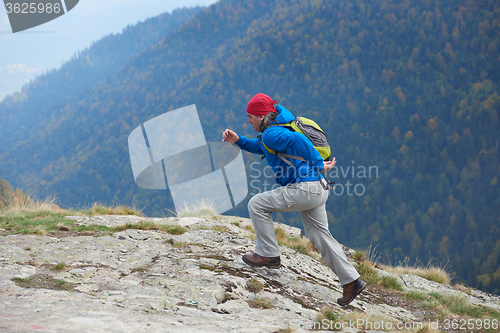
<point x="230" y="136"/>
<point x="327" y="166"/>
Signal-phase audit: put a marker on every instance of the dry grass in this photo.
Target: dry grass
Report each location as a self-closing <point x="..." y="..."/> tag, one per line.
<point x="203" y="209"/>
<point x="24" y="202"/>
<point x="368" y="273"/>
<point x="260" y="303"/>
<point x="391" y="283"/>
<point x="249" y="227"/>
<point x="254" y="285"/>
<point x="370" y="254"/>
<point x="21" y="203"/>
<point x="149" y="225"/>
<point x="101" y="209"/>
<point x="26" y="214"/>
<point x="461" y="306"/>
<point x="433" y="273"/>
<point x="300" y="244"/>
<point x="430" y="271"/>
<point x="359" y="255"/>
<point x="59" y="267"/>
<point x="416" y="295"/>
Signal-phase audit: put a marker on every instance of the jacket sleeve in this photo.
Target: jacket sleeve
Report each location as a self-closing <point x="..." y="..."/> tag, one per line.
<point x="250" y="145"/>
<point x="293" y="143"/>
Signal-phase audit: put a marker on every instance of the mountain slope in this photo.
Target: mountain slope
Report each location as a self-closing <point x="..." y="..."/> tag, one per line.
<point x="197" y="282"/>
<point x="405" y="90"/>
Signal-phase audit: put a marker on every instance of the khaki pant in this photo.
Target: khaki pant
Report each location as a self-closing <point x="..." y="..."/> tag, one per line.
<point x="309" y="199"/>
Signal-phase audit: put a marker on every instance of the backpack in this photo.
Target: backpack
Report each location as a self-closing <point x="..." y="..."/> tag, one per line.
<point x="314" y="133"/>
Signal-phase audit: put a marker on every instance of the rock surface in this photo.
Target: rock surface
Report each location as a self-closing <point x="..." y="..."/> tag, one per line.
<point x="152" y="281"/>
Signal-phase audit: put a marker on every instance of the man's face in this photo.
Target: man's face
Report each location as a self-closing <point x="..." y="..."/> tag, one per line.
<point x="256" y="121"/>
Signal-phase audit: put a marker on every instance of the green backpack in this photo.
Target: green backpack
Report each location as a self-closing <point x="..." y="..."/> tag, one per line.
<point x="315" y="134"/>
<point x="312" y="131"/>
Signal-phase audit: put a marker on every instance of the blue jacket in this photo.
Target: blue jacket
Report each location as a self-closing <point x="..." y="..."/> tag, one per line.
<point x="289" y="142"/>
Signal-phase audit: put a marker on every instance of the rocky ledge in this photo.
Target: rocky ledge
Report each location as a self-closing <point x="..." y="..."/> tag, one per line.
<point x="152" y="281"/>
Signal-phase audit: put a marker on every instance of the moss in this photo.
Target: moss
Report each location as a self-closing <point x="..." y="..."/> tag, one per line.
<point x="207" y="267"/>
<point x="43" y="281"/>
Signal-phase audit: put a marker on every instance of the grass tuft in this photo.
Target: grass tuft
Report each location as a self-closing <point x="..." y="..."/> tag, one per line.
<point x="250" y="228"/>
<point x="60" y="267"/>
<point x="416" y="296"/>
<point x="203" y="209"/>
<point x="254" y="285"/>
<point x="299" y="244"/>
<point x="359" y="255"/>
<point x="149" y="225"/>
<point x="26" y="214"/>
<point x="43" y="281"/>
<point x="430" y="271"/>
<point x="101" y="209"/>
<point x="460" y="305"/>
<point x="260" y="303"/>
<point x="25" y="202"/>
<point x="368" y="273"/>
<point x="391" y="283"/>
<point x="329" y="314"/>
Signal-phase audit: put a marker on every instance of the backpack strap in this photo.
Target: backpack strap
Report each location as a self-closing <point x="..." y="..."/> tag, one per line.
<point x="274" y="152"/>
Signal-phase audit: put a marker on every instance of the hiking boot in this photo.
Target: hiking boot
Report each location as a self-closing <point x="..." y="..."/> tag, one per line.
<point x="259" y="261"/>
<point x="351" y="290"/>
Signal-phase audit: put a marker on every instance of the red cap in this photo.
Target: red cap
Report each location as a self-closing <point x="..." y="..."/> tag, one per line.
<point x="260" y="105"/>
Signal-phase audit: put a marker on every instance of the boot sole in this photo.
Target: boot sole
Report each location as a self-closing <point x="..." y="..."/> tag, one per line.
<point x="265" y="265"/>
<point x="354" y="294"/>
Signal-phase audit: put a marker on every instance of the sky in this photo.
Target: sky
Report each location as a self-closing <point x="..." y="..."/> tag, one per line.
<point x="29" y="53"/>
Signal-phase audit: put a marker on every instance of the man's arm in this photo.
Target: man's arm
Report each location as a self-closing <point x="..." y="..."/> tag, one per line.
<point x="230" y="136"/>
<point x="250" y="145"/>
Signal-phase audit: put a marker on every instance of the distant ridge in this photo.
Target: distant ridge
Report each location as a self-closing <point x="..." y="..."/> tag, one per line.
<point x="97" y="62"/>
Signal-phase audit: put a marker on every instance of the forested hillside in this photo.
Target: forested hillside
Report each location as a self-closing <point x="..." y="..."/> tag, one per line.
<point x="408" y="88"/>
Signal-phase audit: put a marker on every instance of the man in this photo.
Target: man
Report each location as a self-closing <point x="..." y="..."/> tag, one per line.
<point x="300" y="190"/>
